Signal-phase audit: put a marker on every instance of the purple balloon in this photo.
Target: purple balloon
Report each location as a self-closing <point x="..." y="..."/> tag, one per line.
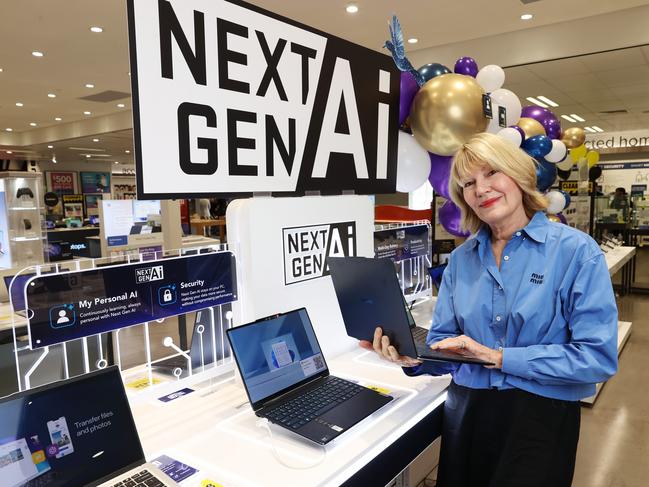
<point x="409" y="88"/>
<point x="450" y="217"/>
<point x="466" y="65"/>
<point x="562" y="218"/>
<point x="440" y="172"/>
<point x="546" y="118"/>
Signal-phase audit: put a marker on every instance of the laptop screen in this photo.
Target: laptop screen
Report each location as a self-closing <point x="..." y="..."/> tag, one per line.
<point x="276" y="353"/>
<point x="72" y="432"/>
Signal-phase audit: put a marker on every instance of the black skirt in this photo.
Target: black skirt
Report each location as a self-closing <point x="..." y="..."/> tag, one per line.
<point x="502" y="438"/>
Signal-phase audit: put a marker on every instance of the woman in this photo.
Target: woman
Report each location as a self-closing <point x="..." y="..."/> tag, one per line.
<point x="535" y="299"/>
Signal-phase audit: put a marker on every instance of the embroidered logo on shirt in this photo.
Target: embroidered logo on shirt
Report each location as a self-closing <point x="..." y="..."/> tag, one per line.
<point x="536" y="278"/>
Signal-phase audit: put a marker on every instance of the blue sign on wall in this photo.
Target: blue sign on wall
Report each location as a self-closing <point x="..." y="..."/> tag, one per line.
<point x="78" y="304"/>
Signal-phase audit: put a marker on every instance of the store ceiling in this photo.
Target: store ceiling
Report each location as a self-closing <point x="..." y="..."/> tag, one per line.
<point x="74" y="56"/>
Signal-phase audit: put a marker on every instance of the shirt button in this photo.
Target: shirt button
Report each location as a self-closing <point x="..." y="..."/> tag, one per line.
<point x="506" y="257"/>
<point x="498" y="318"/>
<point x="500" y="288"/>
<point x="518" y="234"/>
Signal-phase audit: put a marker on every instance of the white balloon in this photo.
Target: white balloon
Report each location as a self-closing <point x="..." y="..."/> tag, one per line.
<point x="513" y="135"/>
<point x="413" y="164"/>
<point x="558" y="152"/>
<point x="566" y="165"/>
<point x="557" y="202"/>
<point x="509" y="100"/>
<point x="491" y="77"/>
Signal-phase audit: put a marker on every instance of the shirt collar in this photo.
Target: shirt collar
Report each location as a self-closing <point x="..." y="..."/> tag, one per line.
<point x="536" y="229"/>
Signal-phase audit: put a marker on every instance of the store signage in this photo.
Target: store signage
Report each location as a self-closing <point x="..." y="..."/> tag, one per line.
<point x="79" y="304"/>
<point x="229" y="98"/>
<point x="61" y="182"/>
<point x="572" y="187"/>
<point x="618" y="140"/>
<point x="307" y="248"/>
<point x="95" y="182"/>
<point x="402" y="243"/>
<point x="51" y="199"/>
<point x="624" y="165"/>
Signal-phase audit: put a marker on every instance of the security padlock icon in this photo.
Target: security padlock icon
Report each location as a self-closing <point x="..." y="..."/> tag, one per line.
<point x="166" y="295"/>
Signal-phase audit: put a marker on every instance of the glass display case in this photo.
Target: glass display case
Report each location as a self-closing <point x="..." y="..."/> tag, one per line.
<point x="22" y="216"/>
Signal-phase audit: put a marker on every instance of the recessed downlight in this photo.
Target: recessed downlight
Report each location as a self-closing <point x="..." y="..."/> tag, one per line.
<point x="9" y="129"/>
<point x="1" y="70"/>
<point x="9" y="152"/>
<point x="37" y="53"/>
<point x="413" y="40"/>
<point x="19" y="104"/>
<point x="50" y="147"/>
<point x="89" y="85"/>
<point x="96" y="29"/>
<point x="33" y="124"/>
<point x="88" y="156"/>
<point x="116" y="162"/>
<point x="120" y="105"/>
<point x="527" y="17"/>
<point x="51" y="95"/>
<point x="352" y="8"/>
<point x="95" y="140"/>
<point x="58" y="119"/>
<point x="87" y="113"/>
<point x="127" y="151"/>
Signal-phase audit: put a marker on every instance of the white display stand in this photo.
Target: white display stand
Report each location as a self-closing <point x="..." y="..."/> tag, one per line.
<point x="256" y="233"/>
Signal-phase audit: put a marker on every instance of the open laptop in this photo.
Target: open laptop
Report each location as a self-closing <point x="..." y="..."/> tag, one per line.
<point x="369" y="295"/>
<point x="288" y="382"/>
<point x="78" y="431"/>
<point x="202" y="348"/>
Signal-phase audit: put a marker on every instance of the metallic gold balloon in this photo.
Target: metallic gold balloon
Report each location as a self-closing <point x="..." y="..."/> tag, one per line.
<point x="446" y="112"/>
<point x="531" y="127"/>
<point x="573" y="137"/>
<point x="592" y="157"/>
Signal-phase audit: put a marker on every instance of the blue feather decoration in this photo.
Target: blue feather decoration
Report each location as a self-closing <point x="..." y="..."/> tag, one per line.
<point x="396" y="47"/>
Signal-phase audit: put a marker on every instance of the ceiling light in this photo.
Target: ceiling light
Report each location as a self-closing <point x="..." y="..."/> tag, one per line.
<point x="51" y="95"/>
<point x="570" y="119"/>
<point x="545" y="99"/>
<point x="96" y="29"/>
<point x="87" y="156"/>
<point x="54" y="159"/>
<point x="89" y="85"/>
<point x="19" y="104"/>
<point x="0" y="70"/>
<point x="58" y="119"/>
<point x="351" y="8"/>
<point x="33" y="124"/>
<point x="588" y="129"/>
<point x="598" y="129"/>
<point x="577" y="117"/>
<point x="37" y="54"/>
<point x="9" y="152"/>
<point x="413" y="40"/>
<point x="527" y="17"/>
<point x="9" y="129"/>
<point x="95" y="140"/>
<point x="87" y="113"/>
<point x="116" y="162"/>
<point x="127" y="151"/>
<point x="120" y="105"/>
<point x="536" y="102"/>
<point x="50" y="147"/>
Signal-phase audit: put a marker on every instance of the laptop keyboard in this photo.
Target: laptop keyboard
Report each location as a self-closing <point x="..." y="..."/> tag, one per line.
<point x="302" y="409"/>
<point x="419" y="334"/>
<point x="143" y="478"/>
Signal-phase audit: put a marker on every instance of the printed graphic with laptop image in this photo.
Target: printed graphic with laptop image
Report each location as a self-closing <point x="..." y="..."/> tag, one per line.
<point x="369" y="295"/>
<point x="287" y="380"/>
<point x="73" y="432"/>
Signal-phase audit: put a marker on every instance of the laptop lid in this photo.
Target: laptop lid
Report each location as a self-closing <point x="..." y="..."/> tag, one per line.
<point x="78" y="431"/>
<point x="277" y="354"/>
<point x="369" y="296"/>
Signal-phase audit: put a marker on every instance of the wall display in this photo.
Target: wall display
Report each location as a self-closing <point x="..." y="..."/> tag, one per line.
<point x="623" y="174"/>
<point x="91" y="202"/>
<point x="62" y="182"/>
<point x="73" y="205"/>
<point x="402" y="243"/>
<point x="95" y="182"/>
<point x="77" y="304"/>
<point x="230" y="98"/>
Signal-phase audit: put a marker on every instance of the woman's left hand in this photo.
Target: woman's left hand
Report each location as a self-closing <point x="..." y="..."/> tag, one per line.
<point x="468" y="347"/>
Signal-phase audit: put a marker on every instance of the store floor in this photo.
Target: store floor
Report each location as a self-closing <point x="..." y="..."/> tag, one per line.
<point x="614" y="443"/>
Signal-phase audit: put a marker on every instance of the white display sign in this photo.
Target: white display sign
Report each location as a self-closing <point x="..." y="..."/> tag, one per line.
<point x="230" y="99"/>
<point x="613" y="140"/>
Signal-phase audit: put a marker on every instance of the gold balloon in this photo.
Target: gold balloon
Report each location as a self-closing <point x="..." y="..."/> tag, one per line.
<point x="446" y="112"/>
<point x="573" y="137"/>
<point x="592" y="157"/>
<point x="531" y="127"/>
<point x="578" y="153"/>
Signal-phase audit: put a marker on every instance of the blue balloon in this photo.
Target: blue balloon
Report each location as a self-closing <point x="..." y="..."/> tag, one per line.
<point x="546" y="173"/>
<point x="537" y="146"/>
<point x="429" y="71"/>
<point x="567" y="197"/>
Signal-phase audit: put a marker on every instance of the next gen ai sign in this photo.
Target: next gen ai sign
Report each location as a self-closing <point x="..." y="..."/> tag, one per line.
<point x="229" y="98"/>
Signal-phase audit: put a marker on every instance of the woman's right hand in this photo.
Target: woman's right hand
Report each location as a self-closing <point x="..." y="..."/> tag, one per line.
<point x="381" y="345"/>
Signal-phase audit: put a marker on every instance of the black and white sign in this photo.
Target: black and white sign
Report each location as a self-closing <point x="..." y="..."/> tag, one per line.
<point x="306" y="248"/>
<point x="229" y="98"/>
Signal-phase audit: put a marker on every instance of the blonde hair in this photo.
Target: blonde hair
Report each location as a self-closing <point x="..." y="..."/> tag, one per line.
<point x="501" y="155"/>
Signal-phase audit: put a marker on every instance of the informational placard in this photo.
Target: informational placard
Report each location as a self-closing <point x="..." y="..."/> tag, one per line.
<point x="229" y="98"/>
<point x="61" y="182"/>
<point x="73" y="206"/>
<point x="95" y="182"/>
<point x="72" y="305"/>
<point x="402" y="243"/>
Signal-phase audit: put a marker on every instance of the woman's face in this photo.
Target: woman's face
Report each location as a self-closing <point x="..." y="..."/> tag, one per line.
<point x="493" y="196"/>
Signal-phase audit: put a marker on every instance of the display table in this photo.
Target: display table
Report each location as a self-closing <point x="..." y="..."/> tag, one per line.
<point x="214" y="430"/>
<point x="200" y="227"/>
<point x="621" y="258"/>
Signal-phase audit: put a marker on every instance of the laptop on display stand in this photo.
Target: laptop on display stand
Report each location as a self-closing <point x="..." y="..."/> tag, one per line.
<point x="369" y="295"/>
<point x="288" y="382"/>
<point x="74" y="432"/>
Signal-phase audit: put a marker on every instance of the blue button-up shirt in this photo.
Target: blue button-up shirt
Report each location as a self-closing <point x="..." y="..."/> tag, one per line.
<point x="550" y="308"/>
